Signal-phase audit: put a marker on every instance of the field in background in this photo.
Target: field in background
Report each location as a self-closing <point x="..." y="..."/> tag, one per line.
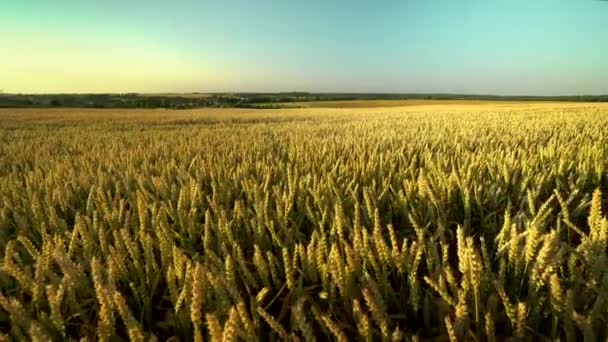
<point x="475" y="221"/>
<point x="395" y="103"/>
<point x="445" y="104"/>
<point x="184" y="95"/>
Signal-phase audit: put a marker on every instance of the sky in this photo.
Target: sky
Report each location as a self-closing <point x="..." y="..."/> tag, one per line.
<point x="503" y="47"/>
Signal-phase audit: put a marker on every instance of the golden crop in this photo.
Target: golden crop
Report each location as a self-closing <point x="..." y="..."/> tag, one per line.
<point x="465" y="222"/>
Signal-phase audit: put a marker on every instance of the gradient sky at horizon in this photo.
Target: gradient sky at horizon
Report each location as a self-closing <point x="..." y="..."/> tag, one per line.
<point x="540" y="47"/>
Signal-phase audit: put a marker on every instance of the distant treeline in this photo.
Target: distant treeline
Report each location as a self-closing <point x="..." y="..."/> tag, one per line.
<point x="248" y="100"/>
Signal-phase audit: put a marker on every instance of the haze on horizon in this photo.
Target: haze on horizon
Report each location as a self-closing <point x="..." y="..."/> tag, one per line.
<point x="541" y="47"/>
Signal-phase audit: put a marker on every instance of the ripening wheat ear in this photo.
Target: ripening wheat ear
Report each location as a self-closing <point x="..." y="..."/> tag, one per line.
<point x="557" y="295"/>
<point x="510" y="309"/>
<point x="230" y="272"/>
<point x="273" y="323"/>
<point x="379" y="241"/>
<point x="450" y="329"/>
<point x="288" y="268"/>
<point x="597" y="223"/>
<point x="476" y="271"/>
<point x="242" y="264"/>
<point x="337" y="269"/>
<point x="133" y="328"/>
<point x="198" y="296"/>
<point x="14" y="269"/>
<point x="378" y="309"/>
<point x="339" y="220"/>
<point x="462" y="314"/>
<point x="29" y="246"/>
<point x="105" y="324"/>
<point x="489" y="326"/>
<point x="522" y="314"/>
<point x="532" y="241"/>
<point x="547" y="258"/>
<point x="363" y="322"/>
<point x="334" y="328"/>
<point x="502" y="238"/>
<point x="260" y="265"/>
<point x="213" y="327"/>
<point x="462" y="251"/>
<point x="15" y="309"/>
<point x="55" y="298"/>
<point x="246" y="323"/>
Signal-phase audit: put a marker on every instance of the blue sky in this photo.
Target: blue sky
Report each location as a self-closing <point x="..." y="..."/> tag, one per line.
<point x="537" y="47"/>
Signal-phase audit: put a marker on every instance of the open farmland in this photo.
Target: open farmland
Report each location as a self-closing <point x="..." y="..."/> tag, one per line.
<point x="401" y="103"/>
<point x="471" y="221"/>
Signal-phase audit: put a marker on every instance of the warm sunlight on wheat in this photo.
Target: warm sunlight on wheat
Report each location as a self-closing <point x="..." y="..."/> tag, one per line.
<point x="469" y="222"/>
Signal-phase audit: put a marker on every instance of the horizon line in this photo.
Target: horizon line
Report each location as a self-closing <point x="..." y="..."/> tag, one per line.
<point x="220" y="92"/>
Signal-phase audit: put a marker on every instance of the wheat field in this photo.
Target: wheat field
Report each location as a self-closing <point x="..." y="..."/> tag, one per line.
<point x="455" y="222"/>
